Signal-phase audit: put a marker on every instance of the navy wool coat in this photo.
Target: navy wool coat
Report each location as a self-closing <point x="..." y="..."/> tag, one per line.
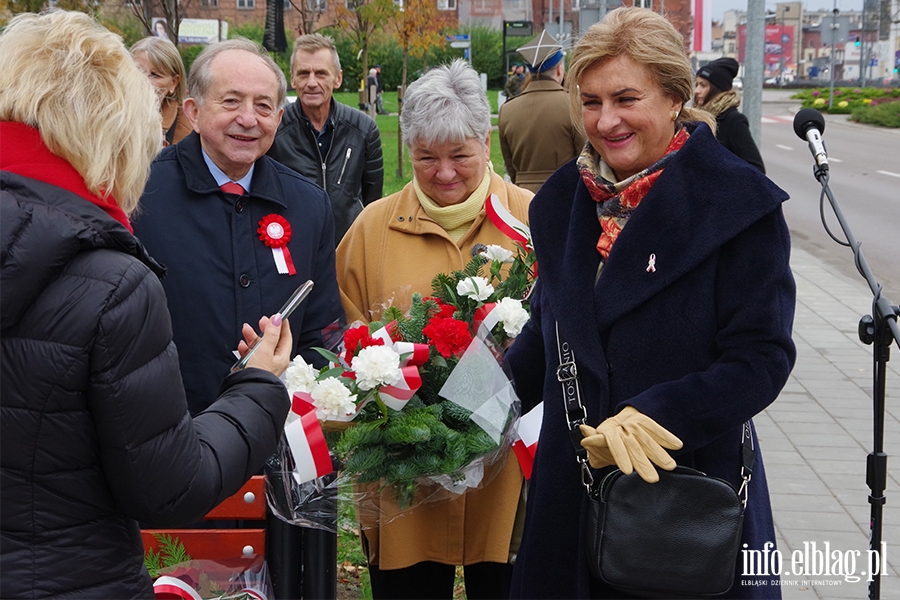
<point x="701" y="344"/>
<point x="220" y="274"/>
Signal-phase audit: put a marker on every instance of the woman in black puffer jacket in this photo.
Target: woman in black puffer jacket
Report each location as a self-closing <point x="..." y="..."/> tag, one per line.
<point x="96" y="434"/>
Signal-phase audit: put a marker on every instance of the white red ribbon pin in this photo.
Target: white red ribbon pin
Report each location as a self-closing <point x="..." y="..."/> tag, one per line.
<point x="651" y="264"/>
<point x="275" y="232"/>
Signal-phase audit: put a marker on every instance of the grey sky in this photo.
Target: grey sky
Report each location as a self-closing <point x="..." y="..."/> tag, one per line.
<point x="720" y="6"/>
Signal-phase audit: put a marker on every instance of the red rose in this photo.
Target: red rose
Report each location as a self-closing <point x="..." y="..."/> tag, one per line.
<point x="355" y="339"/>
<point x="448" y="336"/>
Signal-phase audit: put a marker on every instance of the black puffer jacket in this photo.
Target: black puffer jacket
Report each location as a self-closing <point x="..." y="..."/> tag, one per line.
<point x="96" y="433"/>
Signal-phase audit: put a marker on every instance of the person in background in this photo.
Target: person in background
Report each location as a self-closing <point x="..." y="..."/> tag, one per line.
<point x="379" y="101"/>
<point x="372" y="91"/>
<point x="96" y="433"/>
<point x="436" y="221"/>
<point x="159" y="59"/>
<point x="533" y="148"/>
<point x="664" y="266"/>
<point x="713" y="93"/>
<point x="332" y="144"/>
<point x="515" y="81"/>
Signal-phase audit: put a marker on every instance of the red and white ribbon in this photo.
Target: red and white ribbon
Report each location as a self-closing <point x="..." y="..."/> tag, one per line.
<point x="503" y="220"/>
<point x="307" y="442"/>
<point x="275" y="232"/>
<point x="396" y="396"/>
<point x="172" y="588"/>
<point x="528" y="429"/>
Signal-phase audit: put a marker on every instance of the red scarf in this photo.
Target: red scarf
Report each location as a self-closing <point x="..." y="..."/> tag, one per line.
<point x="23" y="152"/>
<point x="616" y="201"/>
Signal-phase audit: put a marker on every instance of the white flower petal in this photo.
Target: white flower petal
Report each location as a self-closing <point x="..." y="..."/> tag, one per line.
<point x="375" y="366"/>
<point x="477" y="288"/>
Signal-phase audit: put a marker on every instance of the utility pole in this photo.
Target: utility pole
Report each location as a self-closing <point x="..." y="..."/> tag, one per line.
<point x="834" y="30"/>
<point x="754" y="60"/>
<point x="862" y="48"/>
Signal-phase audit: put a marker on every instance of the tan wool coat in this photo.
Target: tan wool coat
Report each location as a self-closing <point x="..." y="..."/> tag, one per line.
<point x="392" y="250"/>
<point x="536" y="133"/>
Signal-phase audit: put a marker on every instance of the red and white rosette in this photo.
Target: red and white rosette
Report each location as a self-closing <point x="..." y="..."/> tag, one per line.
<point x="527" y="430"/>
<point x="275" y="232"/>
<point x="396" y="396"/>
<point x="306" y="440"/>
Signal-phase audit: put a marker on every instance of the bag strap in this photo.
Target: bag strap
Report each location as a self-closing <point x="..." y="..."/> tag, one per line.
<point x="576" y="415"/>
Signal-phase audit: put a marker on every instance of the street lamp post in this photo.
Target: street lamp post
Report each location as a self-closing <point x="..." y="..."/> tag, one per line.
<point x="834" y="30"/>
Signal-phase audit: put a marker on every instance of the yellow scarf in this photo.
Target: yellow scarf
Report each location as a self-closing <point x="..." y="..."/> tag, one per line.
<point x="457" y="218"/>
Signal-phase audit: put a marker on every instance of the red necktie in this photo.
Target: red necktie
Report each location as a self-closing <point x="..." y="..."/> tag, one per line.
<point x="232" y="188"/>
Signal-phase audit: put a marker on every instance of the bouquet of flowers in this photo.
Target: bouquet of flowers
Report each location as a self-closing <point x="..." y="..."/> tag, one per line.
<point x="419" y="401"/>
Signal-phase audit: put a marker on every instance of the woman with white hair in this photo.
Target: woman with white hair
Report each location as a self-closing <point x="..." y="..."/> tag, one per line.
<point x="394" y="248"/>
<point x="95" y="427"/>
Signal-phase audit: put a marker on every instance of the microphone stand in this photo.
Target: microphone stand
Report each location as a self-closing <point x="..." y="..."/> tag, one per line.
<point x="878" y="330"/>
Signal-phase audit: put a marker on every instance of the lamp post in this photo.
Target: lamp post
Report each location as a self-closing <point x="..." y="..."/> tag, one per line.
<point x="834" y="30"/>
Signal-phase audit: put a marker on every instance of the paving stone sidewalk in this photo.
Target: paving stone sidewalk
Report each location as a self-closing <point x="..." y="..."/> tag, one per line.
<point x="816" y="436"/>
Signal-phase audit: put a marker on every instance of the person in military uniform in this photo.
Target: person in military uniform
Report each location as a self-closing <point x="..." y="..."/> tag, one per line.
<point x="537" y="135"/>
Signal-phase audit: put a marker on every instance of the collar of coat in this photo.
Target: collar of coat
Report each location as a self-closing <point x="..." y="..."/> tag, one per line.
<point x="705" y="197"/>
<point x="408" y="215"/>
<point x="265" y="185"/>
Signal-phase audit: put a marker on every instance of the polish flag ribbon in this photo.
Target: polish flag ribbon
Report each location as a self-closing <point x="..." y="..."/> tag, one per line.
<point x="412" y="356"/>
<point x="172" y="588"/>
<point x="527" y="430"/>
<point x="275" y="232"/>
<point x="503" y="220"/>
<point x="306" y="440"/>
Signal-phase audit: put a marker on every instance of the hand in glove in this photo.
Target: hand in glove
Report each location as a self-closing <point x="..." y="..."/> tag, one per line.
<point x="599" y="454"/>
<point x="635" y="442"/>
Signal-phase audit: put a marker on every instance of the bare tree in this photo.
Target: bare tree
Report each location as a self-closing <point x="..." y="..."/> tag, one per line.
<point x="172" y="11"/>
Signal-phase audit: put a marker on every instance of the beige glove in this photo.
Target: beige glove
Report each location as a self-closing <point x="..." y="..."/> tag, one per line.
<point x="634" y="442"/>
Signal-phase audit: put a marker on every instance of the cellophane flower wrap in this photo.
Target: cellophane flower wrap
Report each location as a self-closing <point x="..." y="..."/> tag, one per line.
<point x="416" y="407"/>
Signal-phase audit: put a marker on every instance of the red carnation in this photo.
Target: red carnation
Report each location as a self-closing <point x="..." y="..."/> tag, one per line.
<point x="445" y="311"/>
<point x="357" y="338"/>
<point x="448" y="336"/>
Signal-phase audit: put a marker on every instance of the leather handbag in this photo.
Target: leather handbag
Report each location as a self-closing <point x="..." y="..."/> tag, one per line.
<point x="678" y="537"/>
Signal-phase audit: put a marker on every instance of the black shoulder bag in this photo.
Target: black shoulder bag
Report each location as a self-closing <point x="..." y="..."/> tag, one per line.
<point x="678" y="537"/>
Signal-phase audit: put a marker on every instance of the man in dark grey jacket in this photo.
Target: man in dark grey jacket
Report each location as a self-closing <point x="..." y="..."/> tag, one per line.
<point x="336" y="146"/>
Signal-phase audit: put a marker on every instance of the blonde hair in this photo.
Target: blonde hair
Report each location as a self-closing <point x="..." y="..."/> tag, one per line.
<point x="74" y="81"/>
<point x="646" y="38"/>
<point x="164" y="56"/>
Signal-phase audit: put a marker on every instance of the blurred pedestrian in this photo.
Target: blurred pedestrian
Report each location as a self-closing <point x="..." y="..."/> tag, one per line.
<point x="713" y="93"/>
<point x="515" y="81"/>
<point x="379" y="101"/>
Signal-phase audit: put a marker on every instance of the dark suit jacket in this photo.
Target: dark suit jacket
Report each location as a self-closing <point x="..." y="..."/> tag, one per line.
<point x="700" y="345"/>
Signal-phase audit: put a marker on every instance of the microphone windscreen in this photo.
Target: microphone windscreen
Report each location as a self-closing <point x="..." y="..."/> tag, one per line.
<point x="806" y="119"/>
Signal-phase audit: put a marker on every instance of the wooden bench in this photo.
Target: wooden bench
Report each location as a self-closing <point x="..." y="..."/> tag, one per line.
<point x="249" y="503"/>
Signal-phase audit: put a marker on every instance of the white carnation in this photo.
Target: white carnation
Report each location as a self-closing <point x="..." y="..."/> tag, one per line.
<point x="332" y="399"/>
<point x="495" y="252"/>
<point x="375" y="366"/>
<point x="299" y="376"/>
<point x="512" y="315"/>
<point x="477" y="288"/>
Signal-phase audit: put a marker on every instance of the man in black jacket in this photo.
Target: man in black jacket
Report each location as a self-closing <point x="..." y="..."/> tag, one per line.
<point x="334" y="145"/>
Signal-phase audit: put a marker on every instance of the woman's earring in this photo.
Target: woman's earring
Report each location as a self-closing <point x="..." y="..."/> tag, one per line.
<point x="675" y="115"/>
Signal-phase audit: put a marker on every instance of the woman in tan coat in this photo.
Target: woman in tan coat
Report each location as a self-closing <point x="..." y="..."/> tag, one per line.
<point x="395" y="248"/>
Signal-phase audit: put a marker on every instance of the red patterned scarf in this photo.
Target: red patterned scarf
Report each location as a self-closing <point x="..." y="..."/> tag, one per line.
<point x="616" y="201"/>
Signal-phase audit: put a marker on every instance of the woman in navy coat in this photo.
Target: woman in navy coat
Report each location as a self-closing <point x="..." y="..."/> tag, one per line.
<point x="680" y="320"/>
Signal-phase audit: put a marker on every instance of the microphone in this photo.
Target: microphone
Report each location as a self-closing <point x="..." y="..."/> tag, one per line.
<point x="809" y="125"/>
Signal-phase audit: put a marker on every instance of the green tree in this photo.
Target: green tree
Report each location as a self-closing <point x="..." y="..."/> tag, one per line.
<point x="360" y="19"/>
